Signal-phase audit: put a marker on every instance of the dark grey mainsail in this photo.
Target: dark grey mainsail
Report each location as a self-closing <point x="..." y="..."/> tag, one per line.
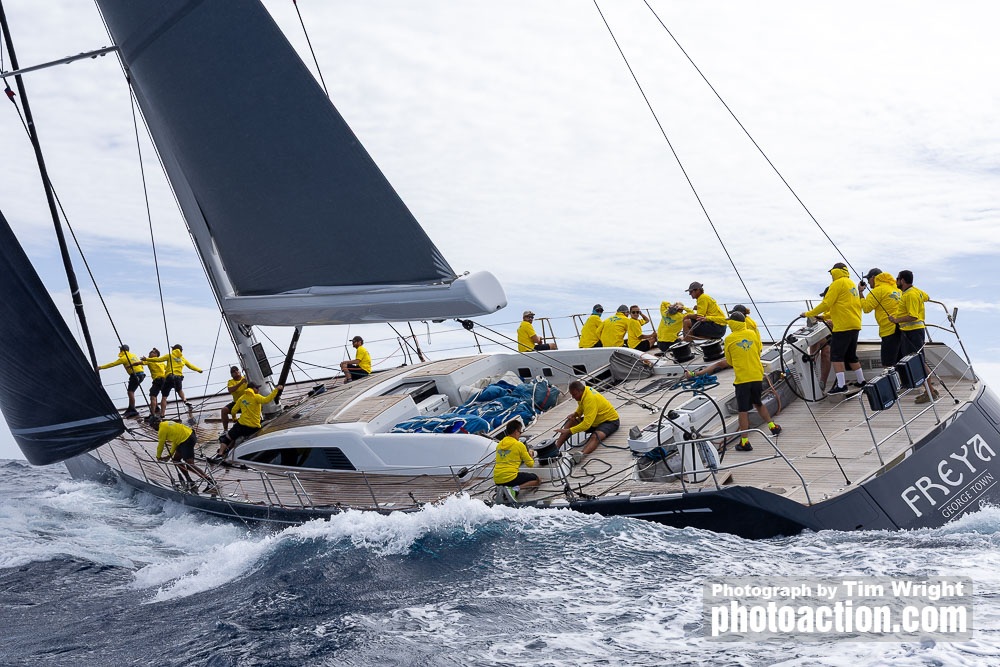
<point x="279" y="194"/>
<point x="50" y="396"/>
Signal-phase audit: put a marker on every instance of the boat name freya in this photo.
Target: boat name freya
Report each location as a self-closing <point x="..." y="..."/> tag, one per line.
<point x="952" y="477"/>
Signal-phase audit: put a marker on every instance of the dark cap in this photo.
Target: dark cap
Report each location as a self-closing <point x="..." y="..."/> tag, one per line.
<point x="357" y="339"/>
<point x="740" y="308"/>
<point x="872" y="273"/>
<point x="737" y="316"/>
<point x="623" y="308"/>
<point x="177" y="347"/>
<point x="123" y="348"/>
<point x="527" y="313"/>
<point x="598" y="308"/>
<point x="839" y="265"/>
<point x="695" y="285"/>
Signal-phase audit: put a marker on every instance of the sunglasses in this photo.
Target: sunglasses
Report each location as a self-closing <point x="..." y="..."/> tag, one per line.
<point x="635" y="312"/>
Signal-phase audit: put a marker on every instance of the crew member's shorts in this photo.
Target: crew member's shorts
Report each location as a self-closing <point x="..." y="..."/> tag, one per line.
<point x="357" y="373"/>
<point x="664" y="345"/>
<point x="890" y="348"/>
<point x="912" y="342"/>
<point x="844" y="346"/>
<point x="185" y="450"/>
<point x="748" y="395"/>
<point x="541" y="347"/>
<point x="239" y="430"/>
<point x="607" y="428"/>
<point x="134" y="381"/>
<point x="157" y="387"/>
<point x="706" y="329"/>
<point x="643" y="345"/>
<point x="175" y="382"/>
<point x="521" y="478"/>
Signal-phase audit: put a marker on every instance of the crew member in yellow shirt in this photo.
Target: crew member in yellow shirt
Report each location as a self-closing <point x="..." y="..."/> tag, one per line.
<point x="527" y="339"/>
<point x="615" y="327"/>
<point x="158" y="373"/>
<point x="511" y="453"/>
<point x="743" y="348"/>
<point x="671" y="323"/>
<point x="636" y="339"/>
<point x="912" y="330"/>
<point x="182" y="440"/>
<point x="594" y="415"/>
<point x="236" y="385"/>
<point x="248" y="407"/>
<point x="590" y="334"/>
<point x="843" y="302"/>
<point x="708" y="320"/>
<point x="136" y="375"/>
<point x="175" y="375"/>
<point x="883" y="299"/>
<point x="359" y="367"/>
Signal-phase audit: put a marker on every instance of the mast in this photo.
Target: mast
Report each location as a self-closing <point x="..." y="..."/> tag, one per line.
<point x="46" y="185"/>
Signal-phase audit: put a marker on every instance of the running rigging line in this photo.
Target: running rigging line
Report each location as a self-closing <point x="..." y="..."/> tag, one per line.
<point x="680" y="164"/>
<point x="752" y="140"/>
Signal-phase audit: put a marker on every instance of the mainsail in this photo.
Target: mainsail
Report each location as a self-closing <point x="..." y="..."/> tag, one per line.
<point x="293" y="219"/>
<point x="50" y="396"/>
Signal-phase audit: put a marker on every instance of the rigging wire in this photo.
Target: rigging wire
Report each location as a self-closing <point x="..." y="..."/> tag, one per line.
<point x="752" y="140"/>
<point x="311" y="51"/>
<point x="680" y="164"/>
<point x="152" y="236"/>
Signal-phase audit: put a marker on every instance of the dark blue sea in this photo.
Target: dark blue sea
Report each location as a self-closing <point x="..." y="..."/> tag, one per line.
<point x="94" y="575"/>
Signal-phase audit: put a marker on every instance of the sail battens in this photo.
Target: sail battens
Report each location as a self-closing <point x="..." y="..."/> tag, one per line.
<point x="262" y="163"/>
<point x="66" y="426"/>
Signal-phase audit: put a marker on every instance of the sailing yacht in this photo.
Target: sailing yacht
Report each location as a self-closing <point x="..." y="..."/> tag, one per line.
<point x="417" y="434"/>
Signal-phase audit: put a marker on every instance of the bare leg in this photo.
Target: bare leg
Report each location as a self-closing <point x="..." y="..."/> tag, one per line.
<point x="224" y="413"/>
<point x="596" y="438"/>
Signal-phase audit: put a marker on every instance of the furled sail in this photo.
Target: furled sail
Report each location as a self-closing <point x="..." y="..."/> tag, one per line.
<point x="50" y="396"/>
<point x="279" y="194"/>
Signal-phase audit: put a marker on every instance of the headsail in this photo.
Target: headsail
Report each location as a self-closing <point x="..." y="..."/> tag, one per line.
<point x="276" y="189"/>
<point x="50" y="396"/>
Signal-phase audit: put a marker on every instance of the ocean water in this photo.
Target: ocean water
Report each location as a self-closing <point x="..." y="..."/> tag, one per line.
<point x="94" y="575"/>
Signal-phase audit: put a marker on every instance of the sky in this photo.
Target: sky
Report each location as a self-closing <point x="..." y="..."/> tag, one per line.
<point x="517" y="136"/>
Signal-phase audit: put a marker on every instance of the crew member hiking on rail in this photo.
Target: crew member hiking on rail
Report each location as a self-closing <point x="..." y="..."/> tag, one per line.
<point x="590" y="334"/>
<point x="527" y="339"/>
<point x="708" y="320"/>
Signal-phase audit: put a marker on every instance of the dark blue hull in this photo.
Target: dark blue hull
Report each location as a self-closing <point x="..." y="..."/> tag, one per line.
<point x="951" y="471"/>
